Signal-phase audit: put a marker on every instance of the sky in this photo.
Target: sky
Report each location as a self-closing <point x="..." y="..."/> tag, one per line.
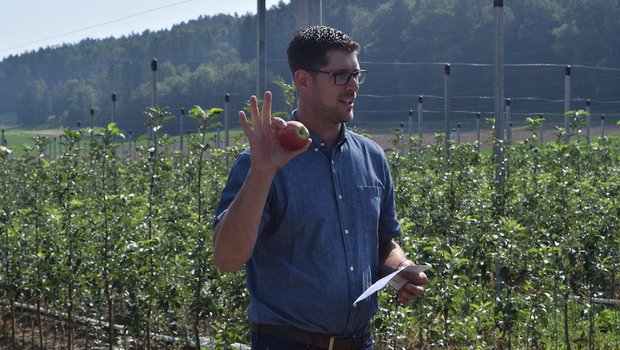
<point x="27" y="25"/>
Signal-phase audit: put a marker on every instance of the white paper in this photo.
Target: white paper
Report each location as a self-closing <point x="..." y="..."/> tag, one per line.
<point x="393" y="279"/>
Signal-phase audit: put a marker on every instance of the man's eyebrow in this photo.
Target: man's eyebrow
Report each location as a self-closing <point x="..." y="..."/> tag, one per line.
<point x="345" y="71"/>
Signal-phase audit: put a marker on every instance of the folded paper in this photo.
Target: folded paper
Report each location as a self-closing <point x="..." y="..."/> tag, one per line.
<point x="393" y="279"/>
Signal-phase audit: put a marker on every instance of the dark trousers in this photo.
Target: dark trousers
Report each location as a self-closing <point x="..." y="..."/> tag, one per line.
<point x="268" y="342"/>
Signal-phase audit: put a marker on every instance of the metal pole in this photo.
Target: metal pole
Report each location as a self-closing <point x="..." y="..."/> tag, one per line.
<point x="602" y="125"/>
<point x="308" y="13"/>
<point x="129" y="153"/>
<point x="410" y="123"/>
<point x="499" y="101"/>
<point x="260" y="84"/>
<point x="114" y="107"/>
<point x="420" y="107"/>
<point x="446" y="109"/>
<point x="508" y="123"/>
<point x="181" y="129"/>
<point x="458" y="133"/>
<point x="92" y="123"/>
<point x="478" y="128"/>
<point x="567" y="73"/>
<point x="79" y="125"/>
<point x="500" y="166"/>
<point x="542" y="130"/>
<point x="588" y="121"/>
<point x="402" y="131"/>
<point x="154" y="94"/>
<point x="226" y="120"/>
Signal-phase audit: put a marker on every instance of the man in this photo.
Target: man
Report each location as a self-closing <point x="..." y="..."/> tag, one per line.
<point x="313" y="227"/>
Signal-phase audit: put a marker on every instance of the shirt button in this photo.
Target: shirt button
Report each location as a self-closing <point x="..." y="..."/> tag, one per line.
<point x="316" y="149"/>
<point x="351" y="268"/>
<point x="346" y="232"/>
<point x="339" y="196"/>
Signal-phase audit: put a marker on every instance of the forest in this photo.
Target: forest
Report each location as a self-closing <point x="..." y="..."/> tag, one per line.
<point x="405" y="45"/>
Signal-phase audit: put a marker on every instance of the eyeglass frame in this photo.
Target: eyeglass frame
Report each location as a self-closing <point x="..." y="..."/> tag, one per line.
<point x="360" y="73"/>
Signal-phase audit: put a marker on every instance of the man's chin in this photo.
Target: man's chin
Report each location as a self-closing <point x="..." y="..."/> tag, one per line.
<point x="347" y="118"/>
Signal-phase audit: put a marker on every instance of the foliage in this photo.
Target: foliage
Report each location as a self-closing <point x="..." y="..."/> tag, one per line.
<point x="103" y="231"/>
<point x="517" y="280"/>
<point x="212" y="56"/>
<point x="126" y="237"/>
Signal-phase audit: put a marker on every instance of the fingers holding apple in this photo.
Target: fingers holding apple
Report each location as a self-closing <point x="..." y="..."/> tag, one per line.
<point x="277" y="123"/>
<point x="294" y="136"/>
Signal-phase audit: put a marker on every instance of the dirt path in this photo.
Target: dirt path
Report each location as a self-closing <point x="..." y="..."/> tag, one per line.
<point x="518" y="135"/>
<point x="47" y="132"/>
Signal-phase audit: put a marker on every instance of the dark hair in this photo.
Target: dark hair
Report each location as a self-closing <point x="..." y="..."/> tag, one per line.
<point x="307" y="50"/>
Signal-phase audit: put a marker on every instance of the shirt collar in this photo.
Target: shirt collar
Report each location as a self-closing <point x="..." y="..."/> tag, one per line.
<point x="317" y="141"/>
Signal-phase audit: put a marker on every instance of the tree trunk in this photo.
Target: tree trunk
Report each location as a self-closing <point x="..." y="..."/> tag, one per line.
<point x="13" y="324"/>
<point x="40" y="322"/>
<point x="197" y="312"/>
<point x="566" y="332"/>
<point x="70" y="317"/>
<point x="110" y="315"/>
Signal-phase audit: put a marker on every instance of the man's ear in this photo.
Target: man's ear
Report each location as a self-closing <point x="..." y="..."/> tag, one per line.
<point x="301" y="78"/>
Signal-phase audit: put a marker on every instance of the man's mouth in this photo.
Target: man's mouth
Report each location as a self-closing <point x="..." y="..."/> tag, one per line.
<point x="348" y="101"/>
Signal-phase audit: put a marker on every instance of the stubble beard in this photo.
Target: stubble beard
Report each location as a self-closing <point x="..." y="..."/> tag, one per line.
<point x="337" y="115"/>
<point x="340" y="115"/>
<point x="334" y="114"/>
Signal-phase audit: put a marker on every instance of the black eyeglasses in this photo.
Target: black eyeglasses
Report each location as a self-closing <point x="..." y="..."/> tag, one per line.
<point x="343" y="78"/>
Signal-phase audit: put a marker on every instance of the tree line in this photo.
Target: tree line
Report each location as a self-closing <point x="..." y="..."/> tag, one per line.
<point x="201" y="60"/>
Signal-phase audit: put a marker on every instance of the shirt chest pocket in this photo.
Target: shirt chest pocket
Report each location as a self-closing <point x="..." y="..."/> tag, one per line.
<point x="368" y="204"/>
<point x="370" y="192"/>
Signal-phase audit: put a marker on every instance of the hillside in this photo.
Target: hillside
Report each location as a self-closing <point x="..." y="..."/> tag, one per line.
<point x="406" y="45"/>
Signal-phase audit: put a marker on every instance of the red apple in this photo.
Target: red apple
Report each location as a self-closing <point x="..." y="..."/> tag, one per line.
<point x="294" y="136"/>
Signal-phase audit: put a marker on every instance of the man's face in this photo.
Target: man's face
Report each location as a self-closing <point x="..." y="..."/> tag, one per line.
<point x="331" y="102"/>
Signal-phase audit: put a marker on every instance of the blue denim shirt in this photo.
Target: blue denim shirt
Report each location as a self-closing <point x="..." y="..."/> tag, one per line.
<point x="317" y="248"/>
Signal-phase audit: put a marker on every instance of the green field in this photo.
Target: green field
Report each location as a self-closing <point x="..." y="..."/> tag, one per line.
<point x="19" y="139"/>
<point x="7" y="119"/>
<point x="531" y="264"/>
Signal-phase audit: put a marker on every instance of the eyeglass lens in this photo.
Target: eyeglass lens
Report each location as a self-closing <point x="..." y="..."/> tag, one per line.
<point x="344" y="78"/>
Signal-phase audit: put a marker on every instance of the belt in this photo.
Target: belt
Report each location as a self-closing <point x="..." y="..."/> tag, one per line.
<point x="317" y="340"/>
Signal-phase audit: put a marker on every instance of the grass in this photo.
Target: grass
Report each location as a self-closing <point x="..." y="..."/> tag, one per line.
<point x="7" y="120"/>
<point x="18" y="139"/>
